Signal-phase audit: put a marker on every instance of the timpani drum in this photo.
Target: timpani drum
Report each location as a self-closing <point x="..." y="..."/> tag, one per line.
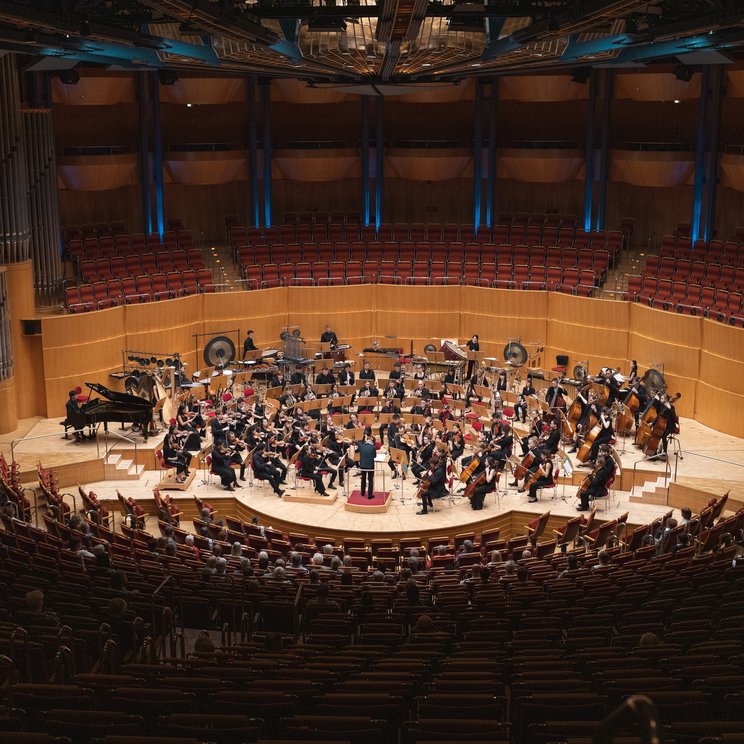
<point x="453" y="353"/>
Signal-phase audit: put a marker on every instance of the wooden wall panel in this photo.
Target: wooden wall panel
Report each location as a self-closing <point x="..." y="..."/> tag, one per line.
<point x="697" y="354"/>
<point x="166" y="327"/>
<point x="79" y="349"/>
<point x="420" y="314"/>
<point x="499" y="315"/>
<point x="659" y="337"/>
<point x="263" y="311"/>
<point x="348" y="310"/>
<point x="587" y="330"/>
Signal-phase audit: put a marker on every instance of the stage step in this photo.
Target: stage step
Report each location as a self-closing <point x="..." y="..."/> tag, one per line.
<point x="652" y="492"/>
<point x="118" y="467"/>
<point x="169" y="483"/>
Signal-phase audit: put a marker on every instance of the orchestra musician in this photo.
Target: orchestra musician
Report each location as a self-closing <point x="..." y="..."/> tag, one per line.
<point x="503" y="444"/>
<point x="555" y="395"/>
<point x="367" y="372"/>
<point x="325" y="377"/>
<point x="297" y="377"/>
<point x="346" y="377"/>
<point x="397" y="372"/>
<point x="609" y="380"/>
<point x="222" y="466"/>
<point x="72" y="407"/>
<point x="277" y="379"/>
<point x="422" y="458"/>
<point x="588" y="402"/>
<point x="392" y="399"/>
<point x="310" y="459"/>
<point x="329" y="337"/>
<point x="263" y="469"/>
<point x="488" y="485"/>
<point x="249" y="344"/>
<point x="419" y="372"/>
<point x="473" y="345"/>
<point x="636" y="387"/>
<point x="456" y="442"/>
<point x="605" y="435"/>
<point x="502" y="382"/>
<point x="177" y="458"/>
<point x="367" y="452"/>
<point x="520" y="408"/>
<point x="235" y="446"/>
<point x="545" y="478"/>
<point x="437" y="479"/>
<point x="664" y="407"/>
<point x="598" y="479"/>
<point x="336" y="457"/>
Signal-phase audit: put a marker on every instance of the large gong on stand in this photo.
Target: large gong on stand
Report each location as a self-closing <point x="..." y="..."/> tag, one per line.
<point x="515" y="354"/>
<point x="654" y="380"/>
<point x="219" y="352"/>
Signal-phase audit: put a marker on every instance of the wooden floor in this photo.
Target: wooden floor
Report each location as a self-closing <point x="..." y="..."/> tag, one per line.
<point x="709" y="460"/>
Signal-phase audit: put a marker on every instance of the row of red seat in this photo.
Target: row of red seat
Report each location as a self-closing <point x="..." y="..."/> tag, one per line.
<point x="424" y="251"/>
<point x="725" y="275"/>
<point x="690" y="299"/>
<point x="714" y="251"/>
<point x="102" y="269"/>
<point x="127" y="244"/>
<point x="563" y="236"/>
<point x="569" y="279"/>
<point x="133" y="290"/>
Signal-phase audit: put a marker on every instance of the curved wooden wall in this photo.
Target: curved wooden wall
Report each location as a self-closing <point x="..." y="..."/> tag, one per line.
<point x="702" y="359"/>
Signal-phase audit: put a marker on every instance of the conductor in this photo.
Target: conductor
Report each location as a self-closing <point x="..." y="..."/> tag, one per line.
<point x="367" y="451"/>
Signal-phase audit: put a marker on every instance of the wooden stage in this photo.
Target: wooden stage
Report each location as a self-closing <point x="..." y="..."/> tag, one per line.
<point x="710" y="464"/>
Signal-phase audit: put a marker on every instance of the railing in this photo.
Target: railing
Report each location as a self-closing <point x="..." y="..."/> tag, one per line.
<point x="678" y="456"/>
<point x="667" y="470"/>
<point x="120" y="437"/>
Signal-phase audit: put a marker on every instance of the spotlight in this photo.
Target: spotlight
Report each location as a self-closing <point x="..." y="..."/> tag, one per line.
<point x="683" y="73"/>
<point x="167" y="77"/>
<point x="580" y="75"/>
<point x="69" y="77"/>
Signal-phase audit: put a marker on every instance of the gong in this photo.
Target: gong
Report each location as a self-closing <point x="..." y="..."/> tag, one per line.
<point x="219" y="352"/>
<point x="515" y="354"/>
<point x="654" y="380"/>
<point x="430" y="349"/>
<point x="579" y="372"/>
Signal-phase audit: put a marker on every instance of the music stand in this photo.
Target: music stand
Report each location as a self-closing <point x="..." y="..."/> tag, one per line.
<point x="400" y="457"/>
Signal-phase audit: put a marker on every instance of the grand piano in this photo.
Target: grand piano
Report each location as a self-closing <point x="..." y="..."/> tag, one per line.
<point x="120" y="407"/>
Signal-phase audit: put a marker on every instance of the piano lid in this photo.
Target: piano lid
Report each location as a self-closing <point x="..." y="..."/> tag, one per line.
<point x="124" y="399"/>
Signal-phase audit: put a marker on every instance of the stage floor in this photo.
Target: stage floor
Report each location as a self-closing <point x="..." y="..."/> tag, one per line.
<point x="710" y="460"/>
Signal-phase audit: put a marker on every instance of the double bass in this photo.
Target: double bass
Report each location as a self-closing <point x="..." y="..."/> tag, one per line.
<point x="651" y="445"/>
<point x="586" y="447"/>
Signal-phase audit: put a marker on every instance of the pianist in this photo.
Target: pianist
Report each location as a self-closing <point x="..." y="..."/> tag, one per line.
<point x="72" y="407"/>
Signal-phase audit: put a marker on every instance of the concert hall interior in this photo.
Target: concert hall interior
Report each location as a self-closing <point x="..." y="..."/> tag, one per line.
<point x="371" y="371"/>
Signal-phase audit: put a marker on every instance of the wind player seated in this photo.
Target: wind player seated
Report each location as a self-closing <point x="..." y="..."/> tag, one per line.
<point x="437" y="477"/>
<point x="596" y="488"/>
<point x="489" y="484"/>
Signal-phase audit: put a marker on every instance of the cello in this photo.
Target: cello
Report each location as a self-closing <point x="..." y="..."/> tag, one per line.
<point x="587" y="482"/>
<point x="594" y="431"/>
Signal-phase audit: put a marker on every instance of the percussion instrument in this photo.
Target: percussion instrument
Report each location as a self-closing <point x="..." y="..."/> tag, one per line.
<point x="268" y="353"/>
<point x="515" y="354"/>
<point x="453" y="353"/>
<point x="219" y="351"/>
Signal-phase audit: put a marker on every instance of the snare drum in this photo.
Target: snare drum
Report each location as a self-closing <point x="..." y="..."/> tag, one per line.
<point x="453" y="353"/>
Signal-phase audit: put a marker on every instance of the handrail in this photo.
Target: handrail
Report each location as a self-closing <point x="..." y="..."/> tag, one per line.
<point x="678" y="456"/>
<point x="155" y="593"/>
<point x="29" y="439"/>
<point x="36" y="502"/>
<point x="667" y="471"/>
<point x="122" y="438"/>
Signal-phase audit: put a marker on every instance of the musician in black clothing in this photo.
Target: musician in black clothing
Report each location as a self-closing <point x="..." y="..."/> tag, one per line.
<point x="336" y="458"/>
<point x="222" y="466"/>
<point x="263" y="469"/>
<point x="236" y="447"/>
<point x="503" y="444"/>
<point x="665" y="408"/>
<point x="219" y="428"/>
<point x="437" y="477"/>
<point x="637" y="387"/>
<point x="248" y="344"/>
<point x="423" y="457"/>
<point x="347" y="375"/>
<point x="176" y="458"/>
<point x="277" y="379"/>
<point x="310" y="462"/>
<point x="545" y="479"/>
<point x="367" y="453"/>
<point x="553" y="438"/>
<point x="605" y="435"/>
<point x="489" y="484"/>
<point x="473" y="345"/>
<point x="325" y="377"/>
<point x="297" y="377"/>
<point x="596" y="489"/>
<point x="72" y="407"/>
<point x="397" y="373"/>
<point x="502" y="382"/>
<point x="367" y="372"/>
<point x="520" y="408"/>
<point x="554" y="394"/>
<point x="392" y="398"/>
<point x="612" y="385"/>
<point x="328" y="336"/>
<point x="447" y="380"/>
